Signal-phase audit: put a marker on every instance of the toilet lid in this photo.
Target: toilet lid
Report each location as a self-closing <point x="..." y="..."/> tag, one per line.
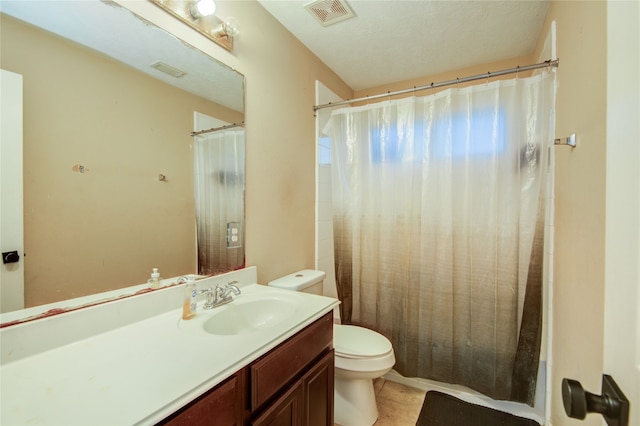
<point x="357" y="342"/>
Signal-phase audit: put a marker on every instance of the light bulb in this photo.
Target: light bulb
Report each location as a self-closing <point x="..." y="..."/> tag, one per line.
<point x="202" y="8"/>
<point x="230" y="27"/>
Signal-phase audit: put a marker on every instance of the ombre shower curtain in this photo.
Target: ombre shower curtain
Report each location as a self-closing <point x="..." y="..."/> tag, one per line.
<point x="438" y="209"/>
<point x="219" y="200"/>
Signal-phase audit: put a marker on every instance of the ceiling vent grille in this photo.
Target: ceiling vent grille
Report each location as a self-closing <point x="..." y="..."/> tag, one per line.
<point x="329" y="12"/>
<point x="168" y="69"/>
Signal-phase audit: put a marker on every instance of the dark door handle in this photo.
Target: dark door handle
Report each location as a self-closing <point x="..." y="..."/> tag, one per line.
<point x="10" y="257"/>
<point x="612" y="404"/>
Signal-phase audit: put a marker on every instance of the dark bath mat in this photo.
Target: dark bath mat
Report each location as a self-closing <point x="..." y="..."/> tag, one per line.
<point x="444" y="410"/>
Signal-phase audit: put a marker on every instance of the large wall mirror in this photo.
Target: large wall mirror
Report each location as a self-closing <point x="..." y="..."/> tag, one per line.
<point x="108" y="166"/>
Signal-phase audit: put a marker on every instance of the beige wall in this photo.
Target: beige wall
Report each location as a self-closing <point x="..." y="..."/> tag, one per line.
<point x="281" y="147"/>
<point x="450" y="75"/>
<point x="578" y="291"/>
<point x="106" y="228"/>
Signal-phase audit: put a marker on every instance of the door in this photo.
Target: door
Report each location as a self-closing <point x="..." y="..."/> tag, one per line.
<point x="285" y="411"/>
<point x="318" y="386"/>
<point x="622" y="262"/>
<point x="11" y="220"/>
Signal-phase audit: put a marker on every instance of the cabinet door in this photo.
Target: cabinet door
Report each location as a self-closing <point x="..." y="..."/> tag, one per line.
<point x="285" y="411"/>
<point x="287" y="362"/>
<point x="221" y="406"/>
<point x="317" y="384"/>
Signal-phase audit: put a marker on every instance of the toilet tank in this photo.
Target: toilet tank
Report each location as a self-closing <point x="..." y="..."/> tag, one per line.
<point x="306" y="281"/>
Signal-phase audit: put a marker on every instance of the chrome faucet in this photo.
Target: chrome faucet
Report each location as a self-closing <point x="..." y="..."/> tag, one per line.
<point x="219" y="296"/>
<point x="231" y="286"/>
<point x="211" y="298"/>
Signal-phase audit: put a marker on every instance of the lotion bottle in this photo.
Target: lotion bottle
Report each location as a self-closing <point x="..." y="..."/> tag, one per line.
<point x="154" y="281"/>
<point x="190" y="299"/>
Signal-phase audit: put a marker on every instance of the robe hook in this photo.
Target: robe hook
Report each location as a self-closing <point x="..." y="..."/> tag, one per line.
<point x="571" y="140"/>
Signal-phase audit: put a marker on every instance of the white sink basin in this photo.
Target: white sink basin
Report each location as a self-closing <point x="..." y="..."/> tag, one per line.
<point x="246" y="317"/>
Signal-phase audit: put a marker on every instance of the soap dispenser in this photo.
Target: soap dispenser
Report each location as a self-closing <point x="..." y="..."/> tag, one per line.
<point x="154" y="281"/>
<point x="190" y="299"/>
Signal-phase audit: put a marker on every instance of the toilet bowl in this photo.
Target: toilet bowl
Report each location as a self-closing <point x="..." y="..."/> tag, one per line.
<point x="361" y="355"/>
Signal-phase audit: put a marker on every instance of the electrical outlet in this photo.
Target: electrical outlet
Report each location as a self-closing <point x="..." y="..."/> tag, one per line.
<point x="234" y="239"/>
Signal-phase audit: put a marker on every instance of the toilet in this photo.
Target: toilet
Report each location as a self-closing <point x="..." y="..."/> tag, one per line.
<point x="361" y="355"/>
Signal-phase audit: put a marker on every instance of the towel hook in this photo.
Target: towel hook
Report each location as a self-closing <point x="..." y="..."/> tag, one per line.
<point x="572" y="141"/>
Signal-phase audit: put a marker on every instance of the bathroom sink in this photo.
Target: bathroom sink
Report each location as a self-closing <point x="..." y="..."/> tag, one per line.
<point x="246" y="317"/>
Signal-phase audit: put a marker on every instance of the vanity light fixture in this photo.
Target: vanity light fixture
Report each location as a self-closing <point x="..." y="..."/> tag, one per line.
<point x="229" y="28"/>
<point x="200" y="15"/>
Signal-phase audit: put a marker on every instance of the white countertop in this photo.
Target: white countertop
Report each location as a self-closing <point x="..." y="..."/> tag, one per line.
<point x="142" y="372"/>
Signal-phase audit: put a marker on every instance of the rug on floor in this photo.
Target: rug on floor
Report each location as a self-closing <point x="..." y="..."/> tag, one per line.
<point x="445" y="410"/>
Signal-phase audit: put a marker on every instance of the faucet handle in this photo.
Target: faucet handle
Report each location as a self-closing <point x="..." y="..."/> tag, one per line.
<point x="233" y="287"/>
<point x="211" y="297"/>
<point x="220" y="292"/>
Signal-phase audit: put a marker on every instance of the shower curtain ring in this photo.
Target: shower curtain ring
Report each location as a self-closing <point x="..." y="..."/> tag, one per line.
<point x="488" y="76"/>
<point x="517" y="71"/>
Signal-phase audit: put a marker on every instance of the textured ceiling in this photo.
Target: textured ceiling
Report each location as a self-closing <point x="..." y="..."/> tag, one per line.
<point x="391" y="41"/>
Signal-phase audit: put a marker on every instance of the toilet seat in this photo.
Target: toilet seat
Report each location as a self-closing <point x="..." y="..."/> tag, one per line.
<point x="361" y="353"/>
<point x="357" y="342"/>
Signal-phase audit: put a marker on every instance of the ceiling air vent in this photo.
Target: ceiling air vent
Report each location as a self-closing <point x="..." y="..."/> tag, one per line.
<point x="329" y="12"/>
<point x="168" y="69"/>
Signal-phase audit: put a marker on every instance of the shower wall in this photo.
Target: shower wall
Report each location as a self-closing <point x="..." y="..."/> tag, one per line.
<point x="324" y="221"/>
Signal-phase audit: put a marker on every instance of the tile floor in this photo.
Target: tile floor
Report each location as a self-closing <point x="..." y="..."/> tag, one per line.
<point x="398" y="405"/>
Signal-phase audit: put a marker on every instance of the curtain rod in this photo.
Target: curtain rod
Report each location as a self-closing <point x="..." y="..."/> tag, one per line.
<point x="215" y="129"/>
<point x="549" y="63"/>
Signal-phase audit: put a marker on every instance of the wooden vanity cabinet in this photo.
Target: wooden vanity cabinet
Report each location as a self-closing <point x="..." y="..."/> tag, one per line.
<point x="292" y="385"/>
<point x="308" y="401"/>
<point x="317" y="385"/>
<point x="286" y="410"/>
<point x="217" y="407"/>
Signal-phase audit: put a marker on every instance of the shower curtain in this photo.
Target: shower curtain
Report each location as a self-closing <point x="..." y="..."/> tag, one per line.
<point x="219" y="200"/>
<point x="438" y="210"/>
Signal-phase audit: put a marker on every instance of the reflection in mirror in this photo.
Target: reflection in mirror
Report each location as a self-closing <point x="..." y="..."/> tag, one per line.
<point x="108" y="152"/>
<point x="219" y="195"/>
